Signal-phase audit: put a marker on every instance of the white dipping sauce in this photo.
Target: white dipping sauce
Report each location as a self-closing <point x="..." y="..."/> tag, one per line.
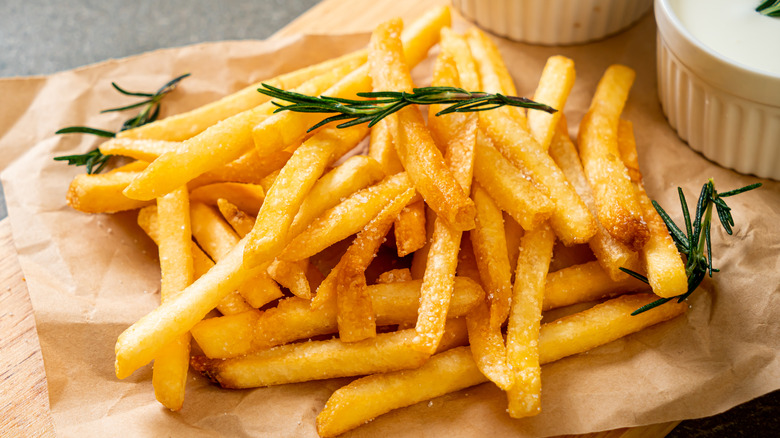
<point x="733" y="29"/>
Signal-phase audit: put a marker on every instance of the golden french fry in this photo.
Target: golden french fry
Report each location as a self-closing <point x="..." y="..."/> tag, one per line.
<point x="611" y="253"/>
<point x="169" y="376"/>
<point x="102" y="193"/>
<point x="271" y="231"/>
<point x="585" y="282"/>
<point x="419" y="155"/>
<point x="664" y="266"/>
<point x="356" y="173"/>
<point x="487" y="347"/>
<point x="522" y="336"/>
<point x="346" y="218"/>
<point x="618" y="209"/>
<point x="145" y="150"/>
<point x="490" y="249"/>
<point x="186" y="125"/>
<point x="247" y="197"/>
<point x="355" y="312"/>
<point x="294" y="319"/>
<point x="368" y="397"/>
<point x="382" y="149"/>
<point x="513" y="233"/>
<point x="553" y="90"/>
<point x="241" y="222"/>
<point x="281" y="129"/>
<point x="457" y="48"/>
<point x="216" y="146"/>
<point x="508" y="187"/>
<point x="292" y="275"/>
<point x="410" y="229"/>
<point x="394" y="276"/>
<point x="248" y="168"/>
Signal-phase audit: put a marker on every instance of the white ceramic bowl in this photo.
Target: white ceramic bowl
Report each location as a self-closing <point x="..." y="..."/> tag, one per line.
<point x="553" y="22"/>
<point x="728" y="111"/>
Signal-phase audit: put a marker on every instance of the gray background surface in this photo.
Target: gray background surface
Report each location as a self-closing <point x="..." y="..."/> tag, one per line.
<point x="39" y="37"/>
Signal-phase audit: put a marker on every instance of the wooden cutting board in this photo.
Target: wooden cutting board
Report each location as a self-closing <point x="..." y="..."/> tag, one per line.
<point x="24" y="399"/>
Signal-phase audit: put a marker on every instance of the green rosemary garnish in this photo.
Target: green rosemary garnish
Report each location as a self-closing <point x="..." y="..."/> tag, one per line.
<point x="94" y="160"/>
<point x="380" y="104"/>
<point x="770" y="8"/>
<point x="692" y="243"/>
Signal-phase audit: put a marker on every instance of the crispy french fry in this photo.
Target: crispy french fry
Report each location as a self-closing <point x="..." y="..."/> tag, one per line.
<point x="522" y="336"/>
<point x="216" y="146"/>
<point x="618" y="209"/>
<point x="553" y="89"/>
<point x="355" y="312"/>
<point x="514" y="233"/>
<point x="490" y="249"/>
<point x="421" y="158"/>
<point x="508" y="187"/>
<point x="241" y="222"/>
<point x="356" y="173"/>
<point x="487" y="347"/>
<point x="247" y="197"/>
<point x="346" y="218"/>
<point x="663" y="264"/>
<point x="368" y="397"/>
<point x="381" y="147"/>
<point x="102" y="193"/>
<point x="292" y="275"/>
<point x="394" y="276"/>
<point x="457" y="47"/>
<point x="281" y="129"/>
<point x="585" y="282"/>
<point x="187" y="125"/>
<point x="410" y="229"/>
<point x="271" y="231"/>
<point x="249" y="168"/>
<point x="611" y="253"/>
<point x="169" y="376"/>
<point x="145" y="150"/>
<point x="294" y="319"/>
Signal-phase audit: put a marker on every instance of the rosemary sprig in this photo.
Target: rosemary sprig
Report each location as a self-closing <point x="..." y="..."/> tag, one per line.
<point x="380" y="104"/>
<point x="769" y="8"/>
<point x="695" y="243"/>
<point x="94" y="160"/>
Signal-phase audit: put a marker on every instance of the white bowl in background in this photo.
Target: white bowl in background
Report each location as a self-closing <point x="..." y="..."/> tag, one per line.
<point x="553" y="22"/>
<point x="725" y="109"/>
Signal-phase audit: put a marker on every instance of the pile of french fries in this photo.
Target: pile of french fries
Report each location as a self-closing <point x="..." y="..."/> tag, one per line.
<point x="269" y="235"/>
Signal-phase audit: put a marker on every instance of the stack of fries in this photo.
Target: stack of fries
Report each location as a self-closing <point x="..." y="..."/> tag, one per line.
<point x="289" y="240"/>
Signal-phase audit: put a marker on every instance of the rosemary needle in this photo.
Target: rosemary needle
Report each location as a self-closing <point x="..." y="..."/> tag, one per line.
<point x="94" y="160"/>
<point x="695" y="243"/>
<point x="380" y="104"/>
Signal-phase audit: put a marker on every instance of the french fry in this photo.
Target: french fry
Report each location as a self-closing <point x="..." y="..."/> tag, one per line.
<point x="279" y="130"/>
<point x="217" y="239"/>
<point x="315" y="360"/>
<point x="553" y="90"/>
<point x="271" y="231"/>
<point x="355" y="312"/>
<point x="522" y="336"/>
<point x="356" y="173"/>
<point x="346" y="218"/>
<point x="292" y="275"/>
<point x="611" y="253"/>
<point x="169" y="376"/>
<point x="663" y="264"/>
<point x="618" y="209"/>
<point x="490" y="249"/>
<point x="241" y="222"/>
<point x="421" y="158"/>
<point x="145" y="150"/>
<point x="216" y="146"/>
<point x="249" y="168"/>
<point x="368" y="397"/>
<point x="508" y="187"/>
<point x="514" y="233"/>
<point x="187" y="125"/>
<point x="585" y="282"/>
<point x="381" y="147"/>
<point x="410" y="229"/>
<point x="293" y="318"/>
<point x="247" y="197"/>
<point x="102" y="193"/>
<point x="457" y="47"/>
<point x="487" y="347"/>
<point x="394" y="276"/>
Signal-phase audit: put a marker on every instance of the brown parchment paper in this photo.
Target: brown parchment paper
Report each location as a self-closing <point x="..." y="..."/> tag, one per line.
<point x="90" y="276"/>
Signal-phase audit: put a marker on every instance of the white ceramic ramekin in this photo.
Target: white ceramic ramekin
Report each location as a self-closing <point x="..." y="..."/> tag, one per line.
<point x="725" y="110"/>
<point x="553" y="22"/>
